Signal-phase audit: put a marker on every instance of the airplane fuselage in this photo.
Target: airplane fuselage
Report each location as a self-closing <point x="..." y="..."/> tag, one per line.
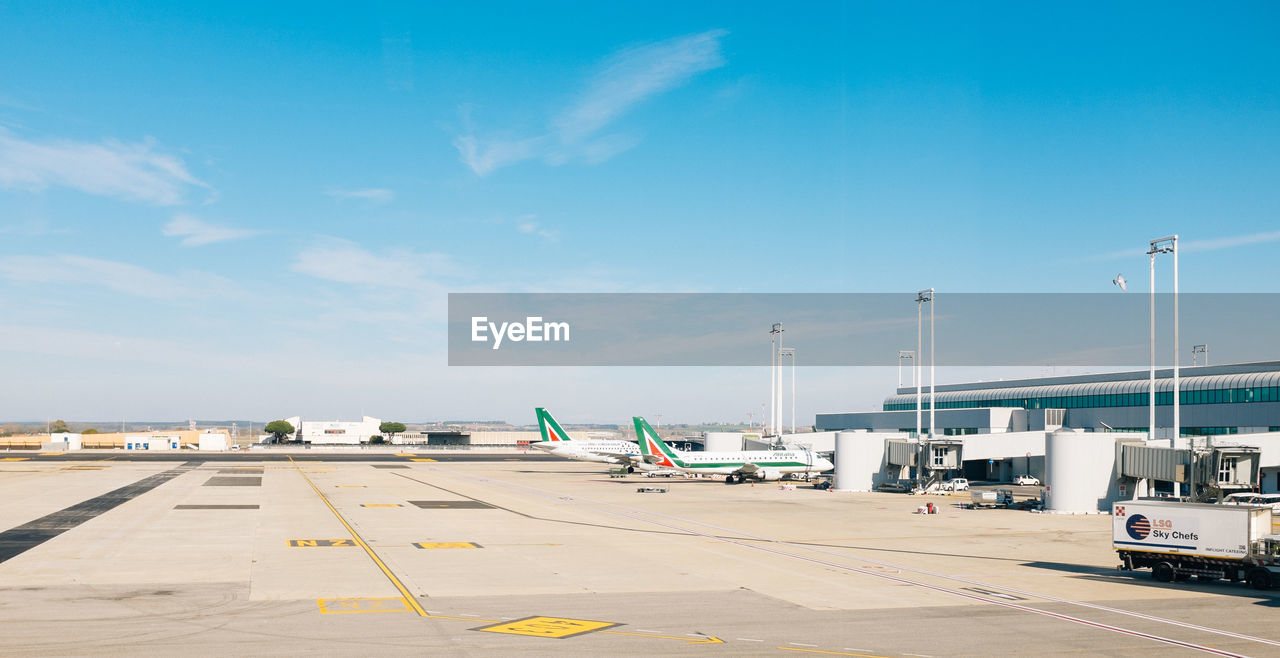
<point x="596" y="450"/>
<point x="768" y="464"/>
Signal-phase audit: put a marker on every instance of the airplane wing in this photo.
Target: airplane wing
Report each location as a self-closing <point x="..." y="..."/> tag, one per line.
<point x="621" y="457"/>
<point x="748" y="468"/>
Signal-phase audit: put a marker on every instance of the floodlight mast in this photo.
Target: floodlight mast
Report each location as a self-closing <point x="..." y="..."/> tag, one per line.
<point x="1169" y="245"/>
<point x="1197" y="350"/>
<point x="905" y="354"/>
<point x="775" y="379"/>
<point x="790" y="352"/>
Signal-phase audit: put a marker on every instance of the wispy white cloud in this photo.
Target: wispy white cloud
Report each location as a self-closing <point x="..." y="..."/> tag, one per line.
<point x="31" y="228"/>
<point x="195" y="232"/>
<point x="347" y="262"/>
<point x="1228" y="242"/>
<point x="626" y="79"/>
<point x="374" y="194"/>
<point x="94" y="273"/>
<point x="485" y="156"/>
<point x="1211" y="244"/>
<point x="131" y="171"/>
<point x="526" y="224"/>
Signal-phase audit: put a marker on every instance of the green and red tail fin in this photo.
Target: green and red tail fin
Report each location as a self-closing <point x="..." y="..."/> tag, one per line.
<point x="654" y="450"/>
<point x="551" y="430"/>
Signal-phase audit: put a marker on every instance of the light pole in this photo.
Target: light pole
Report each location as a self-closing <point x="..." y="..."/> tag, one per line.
<point x="790" y="352"/>
<point x="1197" y="350"/>
<point x="775" y="378"/>
<point x="1169" y="245"/>
<point x="909" y="355"/>
<point x="922" y="297"/>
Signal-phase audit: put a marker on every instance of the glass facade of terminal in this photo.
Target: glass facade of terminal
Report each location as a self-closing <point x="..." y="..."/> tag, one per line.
<point x="1210" y="396"/>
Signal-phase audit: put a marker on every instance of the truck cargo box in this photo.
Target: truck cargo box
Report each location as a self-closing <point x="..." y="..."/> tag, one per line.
<point x="1188" y="529"/>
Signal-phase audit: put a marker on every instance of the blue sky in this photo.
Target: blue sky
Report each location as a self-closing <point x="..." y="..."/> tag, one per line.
<point x="238" y="211"/>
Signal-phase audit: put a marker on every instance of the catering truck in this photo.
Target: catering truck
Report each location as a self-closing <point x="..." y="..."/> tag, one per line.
<point x="1180" y="540"/>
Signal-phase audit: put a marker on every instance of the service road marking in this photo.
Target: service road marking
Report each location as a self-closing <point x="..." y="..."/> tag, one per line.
<point x="834" y="653"/>
<point x="360" y="605"/>
<point x="312" y="543"/>
<point x="552" y="627"/>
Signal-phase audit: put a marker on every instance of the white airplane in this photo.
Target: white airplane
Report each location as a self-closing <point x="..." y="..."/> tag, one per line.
<point x="557" y="442"/>
<point x="735" y="466"/>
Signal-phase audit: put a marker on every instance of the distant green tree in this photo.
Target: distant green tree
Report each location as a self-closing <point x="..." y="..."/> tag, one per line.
<point x="59" y="426"/>
<point x="391" y="429"/>
<point x="90" y="431"/>
<point x="279" y="429"/>
<point x="377" y="440"/>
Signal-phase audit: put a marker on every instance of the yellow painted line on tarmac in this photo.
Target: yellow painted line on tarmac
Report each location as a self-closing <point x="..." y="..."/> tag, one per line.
<point x="380" y="505"/>
<point x="409" y="599"/>
<point x="422" y="459"/>
<point x="833" y="653"/>
<point x="14" y="459"/>
<point x="446" y="544"/>
<point x="406" y="454"/>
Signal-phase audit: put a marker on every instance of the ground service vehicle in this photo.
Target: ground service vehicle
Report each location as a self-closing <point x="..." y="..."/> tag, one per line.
<point x="1179" y="540"/>
<point x="993" y="497"/>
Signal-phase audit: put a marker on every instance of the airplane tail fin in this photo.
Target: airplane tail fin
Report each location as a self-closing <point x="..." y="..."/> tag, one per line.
<point x="655" y="451"/>
<point x="551" y="430"/>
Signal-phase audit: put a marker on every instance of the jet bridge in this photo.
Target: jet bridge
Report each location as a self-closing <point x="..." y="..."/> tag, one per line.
<point x="1219" y="470"/>
<point x="932" y="458"/>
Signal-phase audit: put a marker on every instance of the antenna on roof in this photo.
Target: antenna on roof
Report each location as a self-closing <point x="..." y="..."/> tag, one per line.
<point x="1119" y="281"/>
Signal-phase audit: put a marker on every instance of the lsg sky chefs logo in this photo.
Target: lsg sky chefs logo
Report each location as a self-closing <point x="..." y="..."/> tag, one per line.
<point x="533" y="330"/>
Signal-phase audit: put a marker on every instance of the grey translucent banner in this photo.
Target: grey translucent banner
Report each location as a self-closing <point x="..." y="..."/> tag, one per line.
<point x="854" y="329"/>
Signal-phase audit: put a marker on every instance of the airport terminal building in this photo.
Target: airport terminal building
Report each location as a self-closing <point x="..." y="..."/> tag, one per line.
<point x="1241" y="398"/>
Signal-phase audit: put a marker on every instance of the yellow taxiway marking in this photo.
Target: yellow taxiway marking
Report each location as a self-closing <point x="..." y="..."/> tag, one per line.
<point x="832" y="653"/>
<point x="406" y="454"/>
<point x="381" y="505"/>
<point x="409" y="599"/>
<point x="357" y="605"/>
<point x="702" y="639"/>
<point x="311" y="543"/>
<point x="447" y="544"/>
<point x="555" y="627"/>
<point x="14" y="459"/>
<point x="53" y="454"/>
<point x="422" y="459"/>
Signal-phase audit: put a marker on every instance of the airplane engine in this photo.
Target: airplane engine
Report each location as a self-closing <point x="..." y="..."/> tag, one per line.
<point x="631" y="469"/>
<point x="764" y="475"/>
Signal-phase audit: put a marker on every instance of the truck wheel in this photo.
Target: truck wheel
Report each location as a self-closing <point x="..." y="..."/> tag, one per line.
<point x="1259" y="578"/>
<point x="1163" y="572"/>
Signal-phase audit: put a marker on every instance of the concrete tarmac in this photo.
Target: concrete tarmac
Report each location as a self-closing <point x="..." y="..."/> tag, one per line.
<point x="554" y="558"/>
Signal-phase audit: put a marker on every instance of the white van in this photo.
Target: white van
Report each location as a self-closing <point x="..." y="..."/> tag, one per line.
<point x="1249" y="498"/>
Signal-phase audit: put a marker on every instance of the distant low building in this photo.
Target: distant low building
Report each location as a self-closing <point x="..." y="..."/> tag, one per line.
<point x="335" y="432"/>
